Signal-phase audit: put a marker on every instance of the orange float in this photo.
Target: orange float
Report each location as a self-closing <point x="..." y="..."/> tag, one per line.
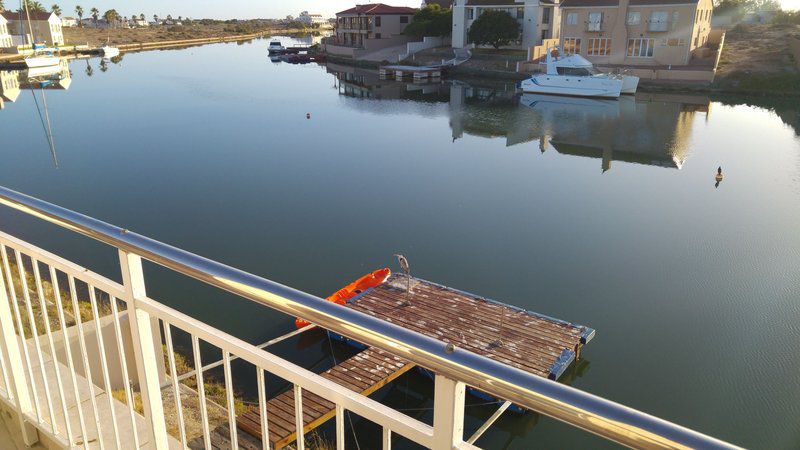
<point x="344" y="294"/>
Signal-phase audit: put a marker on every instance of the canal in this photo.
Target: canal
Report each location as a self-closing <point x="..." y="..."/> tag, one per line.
<point x="604" y="213"/>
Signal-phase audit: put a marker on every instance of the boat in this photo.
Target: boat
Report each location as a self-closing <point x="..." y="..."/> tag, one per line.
<point x="578" y="65"/>
<point x="353" y="289"/>
<point x="276" y="48"/>
<point x="569" y="81"/>
<point x="108" y="51"/>
<point x="34" y="62"/>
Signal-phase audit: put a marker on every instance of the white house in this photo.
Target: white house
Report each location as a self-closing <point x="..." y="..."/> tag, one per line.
<point x="311" y="19"/>
<point x="538" y="19"/>
<point x="138" y="22"/>
<point x="5" y="36"/>
<point x="69" y="22"/>
<point x="46" y="27"/>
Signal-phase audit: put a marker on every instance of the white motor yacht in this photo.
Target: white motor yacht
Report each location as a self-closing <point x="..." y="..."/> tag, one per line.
<point x="564" y="82"/>
<point x="578" y="65"/>
<point x="275" y="47"/>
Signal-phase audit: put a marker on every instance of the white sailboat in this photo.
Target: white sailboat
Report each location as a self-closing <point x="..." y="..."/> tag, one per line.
<point x="564" y="82"/>
<point x="38" y="59"/>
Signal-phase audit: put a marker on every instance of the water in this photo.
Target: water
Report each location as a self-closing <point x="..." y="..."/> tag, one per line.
<point x="600" y="213"/>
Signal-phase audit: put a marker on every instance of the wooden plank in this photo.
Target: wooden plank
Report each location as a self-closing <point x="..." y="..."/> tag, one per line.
<point x="365" y="373"/>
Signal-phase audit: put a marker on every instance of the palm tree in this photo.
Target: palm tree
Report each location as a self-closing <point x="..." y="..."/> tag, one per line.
<point x="111" y="16"/>
<point x="79" y="12"/>
<point x="36" y="6"/>
<point x="1" y="5"/>
<point x="95" y="15"/>
<point x="56" y="9"/>
<point x="141" y="17"/>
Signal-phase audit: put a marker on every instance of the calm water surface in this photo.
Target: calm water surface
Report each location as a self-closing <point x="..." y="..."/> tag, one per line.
<point x="600" y="213"/>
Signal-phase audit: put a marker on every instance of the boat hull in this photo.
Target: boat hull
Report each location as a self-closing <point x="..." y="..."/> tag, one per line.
<point x="573" y="86"/>
<point x="629" y="84"/>
<point x="41" y="61"/>
<point x="109" y="52"/>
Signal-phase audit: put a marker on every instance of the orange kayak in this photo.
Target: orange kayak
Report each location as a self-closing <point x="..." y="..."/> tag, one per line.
<point x="344" y="294"/>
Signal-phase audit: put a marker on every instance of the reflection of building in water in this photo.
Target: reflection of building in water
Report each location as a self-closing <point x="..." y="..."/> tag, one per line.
<point x="9" y="85"/>
<point x="651" y="130"/>
<point x="648" y="129"/>
<point x="366" y="83"/>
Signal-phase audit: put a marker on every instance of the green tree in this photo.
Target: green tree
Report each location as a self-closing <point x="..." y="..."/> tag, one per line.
<point x="56" y="9"/>
<point x="79" y="13"/>
<point x="2" y="7"/>
<point x="495" y="28"/>
<point x="111" y="16"/>
<point x="431" y="20"/>
<point x="95" y="15"/>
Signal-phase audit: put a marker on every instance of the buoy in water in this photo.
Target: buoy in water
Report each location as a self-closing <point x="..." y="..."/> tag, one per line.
<point x="719" y="176"/>
<point x="308" y="115"/>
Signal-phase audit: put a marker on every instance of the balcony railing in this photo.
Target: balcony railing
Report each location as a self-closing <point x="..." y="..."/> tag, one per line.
<point x="39" y="383"/>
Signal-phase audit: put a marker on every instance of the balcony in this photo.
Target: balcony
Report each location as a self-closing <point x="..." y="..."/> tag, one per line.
<point x="68" y="334"/>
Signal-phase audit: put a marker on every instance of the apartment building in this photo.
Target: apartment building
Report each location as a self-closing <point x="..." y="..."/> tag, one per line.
<point x="538" y="19"/>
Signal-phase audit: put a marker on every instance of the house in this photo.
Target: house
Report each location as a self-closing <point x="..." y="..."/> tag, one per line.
<point x="371" y="27"/>
<point x="5" y="36"/>
<point x="636" y="32"/>
<point x="46" y="27"/>
<point x="311" y="19"/>
<point x="9" y="86"/>
<point x="138" y="22"/>
<point x="538" y="19"/>
<point x="69" y="22"/>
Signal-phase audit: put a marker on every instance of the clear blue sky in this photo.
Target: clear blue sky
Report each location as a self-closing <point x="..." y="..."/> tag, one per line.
<point x="226" y="9"/>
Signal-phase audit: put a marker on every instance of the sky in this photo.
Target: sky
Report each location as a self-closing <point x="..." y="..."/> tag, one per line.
<point x="227" y="9"/>
<point x="240" y="9"/>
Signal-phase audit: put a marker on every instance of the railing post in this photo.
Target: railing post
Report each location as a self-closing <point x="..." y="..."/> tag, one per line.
<point x="16" y="372"/>
<point x="448" y="413"/>
<point x="146" y="349"/>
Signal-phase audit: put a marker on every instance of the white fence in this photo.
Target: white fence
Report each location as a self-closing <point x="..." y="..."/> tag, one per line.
<point x="48" y="303"/>
<point x="426" y="43"/>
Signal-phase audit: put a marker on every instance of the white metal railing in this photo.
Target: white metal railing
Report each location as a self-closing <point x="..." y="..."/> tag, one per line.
<point x="37" y="364"/>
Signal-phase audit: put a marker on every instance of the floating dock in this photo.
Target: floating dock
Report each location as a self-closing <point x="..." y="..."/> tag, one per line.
<point x="415" y="72"/>
<point x="522" y="339"/>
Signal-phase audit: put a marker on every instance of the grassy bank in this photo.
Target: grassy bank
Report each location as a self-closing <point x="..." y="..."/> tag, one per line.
<point x="121" y="36"/>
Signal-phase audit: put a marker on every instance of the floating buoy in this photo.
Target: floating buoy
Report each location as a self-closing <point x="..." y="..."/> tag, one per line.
<point x="308" y="115"/>
<point x="719" y="176"/>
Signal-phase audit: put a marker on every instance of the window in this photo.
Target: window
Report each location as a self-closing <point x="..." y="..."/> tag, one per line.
<point x="641" y="47"/>
<point x="377" y="21"/>
<point x="595" y="19"/>
<point x="471" y="13"/>
<point x="599" y="47"/>
<point x="572" y="18"/>
<point x="658" y="21"/>
<point x="634" y="18"/>
<point x="572" y="46"/>
<point x="377" y="35"/>
<point x="697" y="17"/>
<point x="403" y="19"/>
<point x="675" y="17"/>
<point x="546" y="15"/>
<point x="545" y="34"/>
<point x="520" y="13"/>
<point x="574" y="71"/>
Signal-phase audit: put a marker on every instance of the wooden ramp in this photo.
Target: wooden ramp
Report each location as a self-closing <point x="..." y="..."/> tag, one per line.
<point x="365" y="373"/>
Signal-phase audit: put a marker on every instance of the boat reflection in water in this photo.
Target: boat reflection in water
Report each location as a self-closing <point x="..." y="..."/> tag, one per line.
<point x="650" y="129"/>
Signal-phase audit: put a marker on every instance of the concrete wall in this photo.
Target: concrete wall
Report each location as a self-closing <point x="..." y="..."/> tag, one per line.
<point x="794" y="47"/>
<point x="426" y="43"/>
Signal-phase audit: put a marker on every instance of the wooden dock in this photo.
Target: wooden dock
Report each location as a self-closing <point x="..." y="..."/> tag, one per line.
<point x="525" y="340"/>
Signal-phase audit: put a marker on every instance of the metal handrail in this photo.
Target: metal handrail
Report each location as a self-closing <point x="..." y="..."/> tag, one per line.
<point x="602" y="417"/>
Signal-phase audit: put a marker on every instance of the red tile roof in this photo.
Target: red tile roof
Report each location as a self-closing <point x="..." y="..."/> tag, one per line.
<point x="378" y="9"/>
<point x="35" y="15"/>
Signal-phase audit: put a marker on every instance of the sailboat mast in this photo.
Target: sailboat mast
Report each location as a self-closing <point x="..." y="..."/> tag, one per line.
<point x="30" y="25"/>
<point x="49" y="129"/>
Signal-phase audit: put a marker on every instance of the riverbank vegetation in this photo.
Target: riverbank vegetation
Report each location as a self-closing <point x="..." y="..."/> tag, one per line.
<point x="198" y="29"/>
